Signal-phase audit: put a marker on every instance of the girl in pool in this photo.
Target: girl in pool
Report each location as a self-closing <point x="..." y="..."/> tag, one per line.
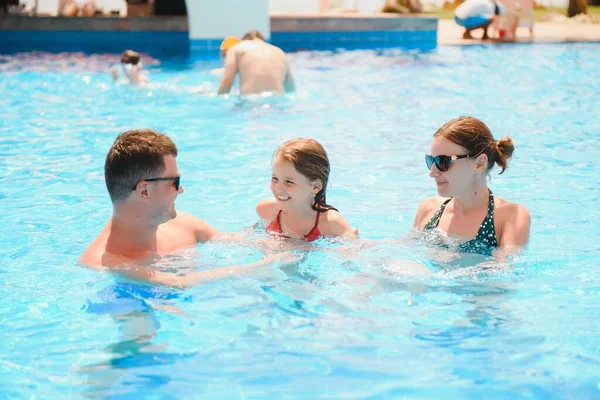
<point x="463" y="152"/>
<point x="300" y="172"/>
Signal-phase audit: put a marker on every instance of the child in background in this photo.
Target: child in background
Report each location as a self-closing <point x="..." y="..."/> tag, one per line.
<point x="131" y="66"/>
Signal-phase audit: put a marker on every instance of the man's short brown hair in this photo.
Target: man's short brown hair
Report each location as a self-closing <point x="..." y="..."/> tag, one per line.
<point x="134" y="156"/>
<point x="253" y="34"/>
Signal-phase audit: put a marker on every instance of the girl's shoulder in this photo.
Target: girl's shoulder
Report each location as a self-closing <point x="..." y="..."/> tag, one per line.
<point x="330" y="215"/>
<point x="332" y="223"/>
<point x="267" y="209"/>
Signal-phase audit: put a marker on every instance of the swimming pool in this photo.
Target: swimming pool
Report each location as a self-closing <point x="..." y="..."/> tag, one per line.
<point x="338" y="325"/>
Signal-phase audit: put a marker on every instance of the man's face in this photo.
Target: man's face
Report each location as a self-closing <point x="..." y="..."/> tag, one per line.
<point x="163" y="193"/>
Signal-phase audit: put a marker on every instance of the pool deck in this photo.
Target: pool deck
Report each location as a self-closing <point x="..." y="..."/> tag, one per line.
<point x="449" y="33"/>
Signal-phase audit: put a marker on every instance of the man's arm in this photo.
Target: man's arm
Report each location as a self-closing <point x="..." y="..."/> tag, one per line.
<point x="195" y="278"/>
<point x="148" y="274"/>
<point x="231" y="70"/>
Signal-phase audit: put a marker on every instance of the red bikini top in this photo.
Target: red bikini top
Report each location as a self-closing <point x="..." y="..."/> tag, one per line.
<point x="274" y="228"/>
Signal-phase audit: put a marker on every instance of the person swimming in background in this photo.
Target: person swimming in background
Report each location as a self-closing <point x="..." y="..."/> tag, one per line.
<point x="299" y="210"/>
<point x="463" y="152"/>
<point x="477" y="14"/>
<point x="262" y="67"/>
<point x="131" y="66"/>
<point x="226" y="44"/>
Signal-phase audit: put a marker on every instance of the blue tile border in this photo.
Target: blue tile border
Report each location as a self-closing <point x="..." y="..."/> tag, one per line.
<point x="178" y="43"/>
<point x="310" y="34"/>
<point x="206" y="45"/>
<point x="330" y="40"/>
<point x="151" y="42"/>
<point x="295" y="41"/>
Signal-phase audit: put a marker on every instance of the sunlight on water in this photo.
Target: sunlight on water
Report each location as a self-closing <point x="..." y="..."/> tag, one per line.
<point x="349" y="320"/>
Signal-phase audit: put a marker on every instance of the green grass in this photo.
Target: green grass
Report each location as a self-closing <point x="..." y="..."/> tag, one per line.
<point x="537" y="13"/>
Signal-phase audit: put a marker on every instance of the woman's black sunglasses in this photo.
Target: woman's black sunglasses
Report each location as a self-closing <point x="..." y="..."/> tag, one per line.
<point x="442" y="162"/>
<point x="176" y="179"/>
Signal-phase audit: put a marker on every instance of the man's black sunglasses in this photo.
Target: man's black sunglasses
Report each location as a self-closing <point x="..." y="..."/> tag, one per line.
<point x="442" y="162"/>
<point x="176" y="179"/>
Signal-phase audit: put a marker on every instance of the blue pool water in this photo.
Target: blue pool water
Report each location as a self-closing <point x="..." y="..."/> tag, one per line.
<point x="341" y="323"/>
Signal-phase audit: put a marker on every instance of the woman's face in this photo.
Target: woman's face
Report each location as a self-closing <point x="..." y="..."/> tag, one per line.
<point x="456" y="180"/>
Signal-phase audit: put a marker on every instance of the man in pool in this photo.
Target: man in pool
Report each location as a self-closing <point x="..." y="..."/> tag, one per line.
<point x="143" y="182"/>
<point x="262" y="66"/>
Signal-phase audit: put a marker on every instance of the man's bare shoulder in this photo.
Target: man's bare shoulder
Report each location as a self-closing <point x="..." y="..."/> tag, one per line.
<point x="243" y="47"/>
<point x="92" y="256"/>
<point x="254" y="45"/>
<point x="96" y="256"/>
<point x="190" y="223"/>
<point x="276" y="49"/>
<point x="186" y="219"/>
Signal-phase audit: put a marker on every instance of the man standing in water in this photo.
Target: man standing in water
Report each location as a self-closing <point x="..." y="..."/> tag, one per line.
<point x="143" y="182"/>
<point x="262" y="66"/>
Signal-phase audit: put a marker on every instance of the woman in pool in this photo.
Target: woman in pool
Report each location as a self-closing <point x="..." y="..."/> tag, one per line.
<point x="300" y="172"/>
<point x="463" y="152"/>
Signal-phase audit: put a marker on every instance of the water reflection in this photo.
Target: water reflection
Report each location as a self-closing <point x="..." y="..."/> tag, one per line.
<point x="129" y="362"/>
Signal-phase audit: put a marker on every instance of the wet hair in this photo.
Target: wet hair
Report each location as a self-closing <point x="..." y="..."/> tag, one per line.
<point x="135" y="155"/>
<point x="130" y="57"/>
<point x="476" y="138"/>
<point x="253" y="34"/>
<point x="310" y="159"/>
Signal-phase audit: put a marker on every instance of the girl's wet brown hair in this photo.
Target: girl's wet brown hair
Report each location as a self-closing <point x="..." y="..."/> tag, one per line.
<point x="472" y="134"/>
<point x="310" y="159"/>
